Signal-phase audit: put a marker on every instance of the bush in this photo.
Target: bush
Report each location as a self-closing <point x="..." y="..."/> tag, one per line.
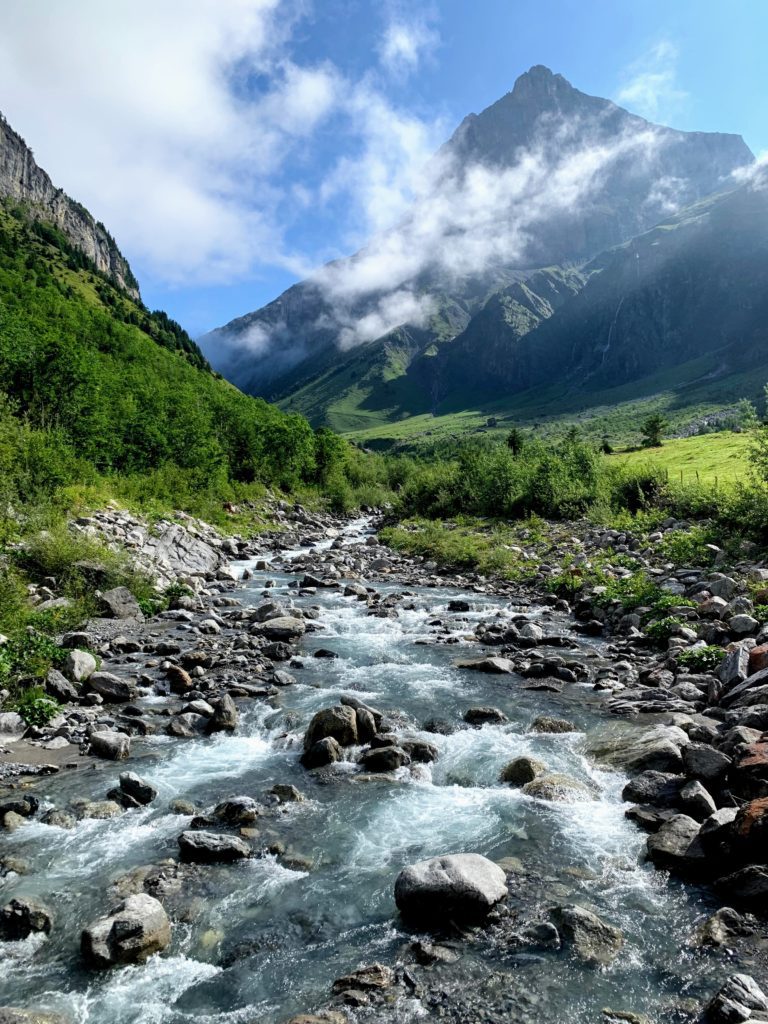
<point x="662" y="629"/>
<point x="36" y="707"/>
<point x="700" y="659"/>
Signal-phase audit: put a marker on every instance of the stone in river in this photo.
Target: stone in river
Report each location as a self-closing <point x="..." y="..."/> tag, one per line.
<point x="461" y="886"/>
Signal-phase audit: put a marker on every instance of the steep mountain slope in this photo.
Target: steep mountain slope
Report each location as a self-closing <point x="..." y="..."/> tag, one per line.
<point x="693" y="289"/>
<point x="569" y="174"/>
<point x="92" y="381"/>
<point x="22" y="180"/>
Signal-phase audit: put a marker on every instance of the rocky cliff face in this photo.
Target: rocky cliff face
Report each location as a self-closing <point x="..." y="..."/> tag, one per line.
<point x="23" y="181"/>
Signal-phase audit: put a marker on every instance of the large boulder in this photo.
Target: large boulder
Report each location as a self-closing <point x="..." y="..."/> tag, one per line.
<point x="138" y="789"/>
<point x="494" y="666"/>
<point x="132" y="932"/>
<point x="735" y="1001"/>
<point x="225" y="715"/>
<point x="462" y="886"/>
<point x="59" y="687"/>
<point x="553" y="786"/>
<point x="111" y="688"/>
<point x="21" y="918"/>
<point x="384" y="759"/>
<point x="212" y="848"/>
<point x="323" y="752"/>
<point x="285" y="627"/>
<point x="656" y="749"/>
<point x="338" y="723"/>
<point x="110" y="744"/>
<point x="120" y="603"/>
<point x="522" y="770"/>
<point x="591" y="939"/>
<point x="674" y="846"/>
<point x="79" y="665"/>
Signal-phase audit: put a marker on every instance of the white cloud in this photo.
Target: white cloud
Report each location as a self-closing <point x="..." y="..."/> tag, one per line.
<point x="651" y="87"/>
<point x="146" y="113"/>
<point x="404" y="43"/>
<point x="466" y="220"/>
<point x="756" y="174"/>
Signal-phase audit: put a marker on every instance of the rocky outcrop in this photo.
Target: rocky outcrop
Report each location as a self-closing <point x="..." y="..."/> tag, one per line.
<point x="132" y="932"/>
<point x="23" y="181"/>
<point x="463" y="886"/>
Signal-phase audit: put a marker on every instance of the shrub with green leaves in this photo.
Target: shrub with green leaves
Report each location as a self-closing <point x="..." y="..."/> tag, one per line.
<point x="36" y="707"/>
<point x="700" y="659"/>
<point x="662" y="629"/>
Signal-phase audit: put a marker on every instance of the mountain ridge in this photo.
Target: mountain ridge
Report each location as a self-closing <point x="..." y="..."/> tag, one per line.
<point x="290" y="350"/>
<point x="23" y="180"/>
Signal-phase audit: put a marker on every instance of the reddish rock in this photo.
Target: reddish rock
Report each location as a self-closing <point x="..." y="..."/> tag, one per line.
<point x="758" y="658"/>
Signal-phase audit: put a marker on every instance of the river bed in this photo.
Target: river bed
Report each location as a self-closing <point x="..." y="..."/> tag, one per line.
<point x="259" y="941"/>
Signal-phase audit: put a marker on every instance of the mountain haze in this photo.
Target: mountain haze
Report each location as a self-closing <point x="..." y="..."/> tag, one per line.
<point x="516" y="211"/>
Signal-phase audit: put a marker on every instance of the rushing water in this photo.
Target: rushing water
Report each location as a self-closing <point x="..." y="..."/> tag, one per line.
<point x="259" y="941"/>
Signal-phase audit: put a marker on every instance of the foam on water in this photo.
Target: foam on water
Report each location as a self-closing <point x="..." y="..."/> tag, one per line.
<point x="267" y="940"/>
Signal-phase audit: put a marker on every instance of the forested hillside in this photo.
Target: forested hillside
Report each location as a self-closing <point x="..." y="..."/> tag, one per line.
<point x="91" y="381"/>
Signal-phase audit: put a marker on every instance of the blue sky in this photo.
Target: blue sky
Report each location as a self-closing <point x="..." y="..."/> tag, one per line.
<point x="233" y="145"/>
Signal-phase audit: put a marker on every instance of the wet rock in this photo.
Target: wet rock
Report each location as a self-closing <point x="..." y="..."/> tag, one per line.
<point x="110" y="744"/>
<point x="59" y="819"/>
<point x="158" y="880"/>
<point x="338" y="723"/>
<point x="287" y="794"/>
<point x="656" y="749"/>
<point x="367" y="979"/>
<point x="545" y="723"/>
<point x="696" y="802"/>
<point x="111" y="688"/>
<point x="137" y="788"/>
<point x="420" y="751"/>
<point x="384" y="759"/>
<point x="100" y="810"/>
<point x="181" y="807"/>
<point x="747" y="888"/>
<point x="120" y="603"/>
<point x="721" y="928"/>
<point x="25" y="806"/>
<point x="239" y="810"/>
<point x="285" y="628"/>
<point x="590" y="938"/>
<point x="439" y="726"/>
<point x="522" y="770"/>
<point x="650" y="787"/>
<point x="460" y="887"/>
<point x="132" y="932"/>
<point x="21" y="918"/>
<point x="674" y="848"/>
<point x="494" y="666"/>
<point x="225" y="715"/>
<point x="647" y="817"/>
<point x="212" y="848"/>
<point x="485" y="716"/>
<point x="324" y="1017"/>
<point x="556" y="787"/>
<point x="179" y="680"/>
<point x="735" y="1001"/>
<point x="323" y="752"/>
<point x="459" y="606"/>
<point x="429" y="953"/>
<point x="705" y="763"/>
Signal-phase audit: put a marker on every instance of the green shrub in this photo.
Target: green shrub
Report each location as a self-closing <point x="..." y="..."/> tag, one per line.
<point x="36" y="707"/>
<point x="700" y="659"/>
<point x="662" y="629"/>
